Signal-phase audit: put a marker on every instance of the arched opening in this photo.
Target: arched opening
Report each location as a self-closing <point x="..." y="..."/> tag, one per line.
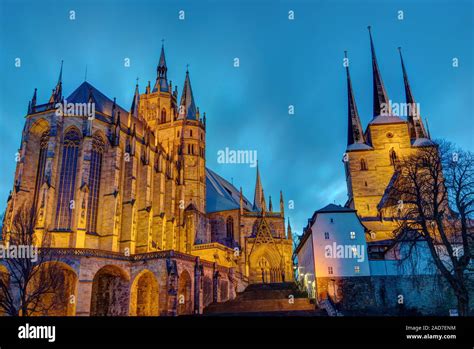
<point x="40" y="169"/>
<point x="163" y="116"/>
<point x="55" y="282"/>
<point x="207" y="291"/>
<point x="110" y="295"/>
<point x="363" y="165"/>
<point x="67" y="180"/>
<point x="185" y="304"/>
<point x="98" y="148"/>
<point x="230" y="229"/>
<point x="144" y="295"/>
<point x="393" y="157"/>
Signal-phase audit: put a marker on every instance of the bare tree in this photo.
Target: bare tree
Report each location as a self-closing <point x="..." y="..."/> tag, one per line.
<point x="433" y="194"/>
<point x="32" y="283"/>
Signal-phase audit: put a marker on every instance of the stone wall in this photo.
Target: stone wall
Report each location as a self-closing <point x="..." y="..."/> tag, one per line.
<point x="391" y="295"/>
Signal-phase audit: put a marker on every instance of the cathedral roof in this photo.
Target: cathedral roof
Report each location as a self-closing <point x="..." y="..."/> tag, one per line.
<point x="221" y="195"/>
<point x="103" y="104"/>
<point x="387" y="119"/>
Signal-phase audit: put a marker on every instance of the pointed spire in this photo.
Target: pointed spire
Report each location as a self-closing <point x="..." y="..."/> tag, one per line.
<point x="289" y="234"/>
<point x="162" y="73"/>
<point x="136" y="101"/>
<point x="282" y="205"/>
<point x="415" y="123"/>
<point x="33" y="100"/>
<point x="264" y="203"/>
<point x="241" y="202"/>
<point x="258" y="195"/>
<point x="270" y="205"/>
<point x="187" y="107"/>
<point x="380" y="94"/>
<point x="355" y="134"/>
<point x="58" y="91"/>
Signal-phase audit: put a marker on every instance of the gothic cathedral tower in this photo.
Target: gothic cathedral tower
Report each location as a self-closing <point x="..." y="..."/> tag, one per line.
<point x="181" y="131"/>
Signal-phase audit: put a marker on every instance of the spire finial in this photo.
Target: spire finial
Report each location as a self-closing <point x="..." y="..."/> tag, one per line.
<point x="355" y="133"/>
<point x="381" y="100"/>
<point x="415" y="123"/>
<point x="61" y="73"/>
<point x="187" y="68"/>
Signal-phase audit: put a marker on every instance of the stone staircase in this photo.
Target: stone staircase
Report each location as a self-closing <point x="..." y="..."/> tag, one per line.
<point x="279" y="299"/>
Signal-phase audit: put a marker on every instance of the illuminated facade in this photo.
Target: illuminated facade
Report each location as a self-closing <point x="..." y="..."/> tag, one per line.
<point x="126" y="197"/>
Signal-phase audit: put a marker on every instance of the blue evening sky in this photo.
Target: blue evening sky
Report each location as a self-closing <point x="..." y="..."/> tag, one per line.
<point x="282" y="63"/>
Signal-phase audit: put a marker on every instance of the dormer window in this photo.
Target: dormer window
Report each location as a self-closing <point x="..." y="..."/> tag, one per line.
<point x="326" y="236"/>
<point x="353" y="235"/>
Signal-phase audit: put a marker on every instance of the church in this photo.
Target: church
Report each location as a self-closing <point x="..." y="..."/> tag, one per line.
<point x="124" y="196"/>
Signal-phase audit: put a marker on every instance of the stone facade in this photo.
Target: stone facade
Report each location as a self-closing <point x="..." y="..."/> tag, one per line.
<point x="134" y="183"/>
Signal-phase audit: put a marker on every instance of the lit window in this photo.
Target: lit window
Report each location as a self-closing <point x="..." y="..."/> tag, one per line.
<point x="94" y="182"/>
<point x="67" y="180"/>
<point x="326" y="236"/>
<point x="357" y="269"/>
<point x="41" y="166"/>
<point x="330" y="271"/>
<point x="353" y="235"/>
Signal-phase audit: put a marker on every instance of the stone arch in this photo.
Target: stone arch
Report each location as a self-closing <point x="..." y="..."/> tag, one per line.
<point x="62" y="299"/>
<point x="144" y="295"/>
<point x="110" y="293"/>
<point x="185" y="304"/>
<point x="207" y="291"/>
<point x="266" y="265"/>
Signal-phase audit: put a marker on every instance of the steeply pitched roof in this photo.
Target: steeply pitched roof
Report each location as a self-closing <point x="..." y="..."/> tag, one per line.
<point x="187" y="100"/>
<point x="103" y="104"/>
<point x="221" y="195"/>
<point x="334" y="208"/>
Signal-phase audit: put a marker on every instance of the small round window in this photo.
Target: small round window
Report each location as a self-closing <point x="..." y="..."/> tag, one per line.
<point x="389" y="135"/>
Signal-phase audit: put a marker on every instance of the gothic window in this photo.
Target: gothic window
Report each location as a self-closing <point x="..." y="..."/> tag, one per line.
<point x="190" y="133"/>
<point x="353" y="235"/>
<point x="163" y="116"/>
<point x="67" y="180"/>
<point x="363" y="165"/>
<point x="189" y="148"/>
<point x="230" y="228"/>
<point x="178" y="134"/>
<point x="43" y="150"/>
<point x="393" y="157"/>
<point x="326" y="236"/>
<point x="330" y="271"/>
<point x="192" y="149"/>
<point x="98" y="147"/>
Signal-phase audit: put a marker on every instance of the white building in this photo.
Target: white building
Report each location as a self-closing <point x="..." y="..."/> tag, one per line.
<point x="333" y="245"/>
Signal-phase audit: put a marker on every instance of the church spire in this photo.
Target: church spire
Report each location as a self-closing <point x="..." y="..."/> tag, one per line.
<point x="354" y="130"/>
<point x="415" y="123"/>
<point x="258" y="198"/>
<point x="289" y="234"/>
<point x="57" y="93"/>
<point x="380" y="94"/>
<point x="161" y="73"/>
<point x="135" y="102"/>
<point x="187" y="107"/>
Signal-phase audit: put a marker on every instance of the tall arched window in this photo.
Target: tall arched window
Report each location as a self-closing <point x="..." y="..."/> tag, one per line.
<point x="393" y="157"/>
<point x="163" y="116"/>
<point x="98" y="147"/>
<point x="230" y="228"/>
<point x="67" y="180"/>
<point x="43" y="151"/>
<point x="363" y="165"/>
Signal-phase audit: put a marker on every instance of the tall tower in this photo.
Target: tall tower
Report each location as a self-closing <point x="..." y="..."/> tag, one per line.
<point x="181" y="132"/>
<point x="371" y="158"/>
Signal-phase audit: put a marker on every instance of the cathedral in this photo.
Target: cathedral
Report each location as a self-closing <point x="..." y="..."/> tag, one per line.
<point x="142" y="226"/>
